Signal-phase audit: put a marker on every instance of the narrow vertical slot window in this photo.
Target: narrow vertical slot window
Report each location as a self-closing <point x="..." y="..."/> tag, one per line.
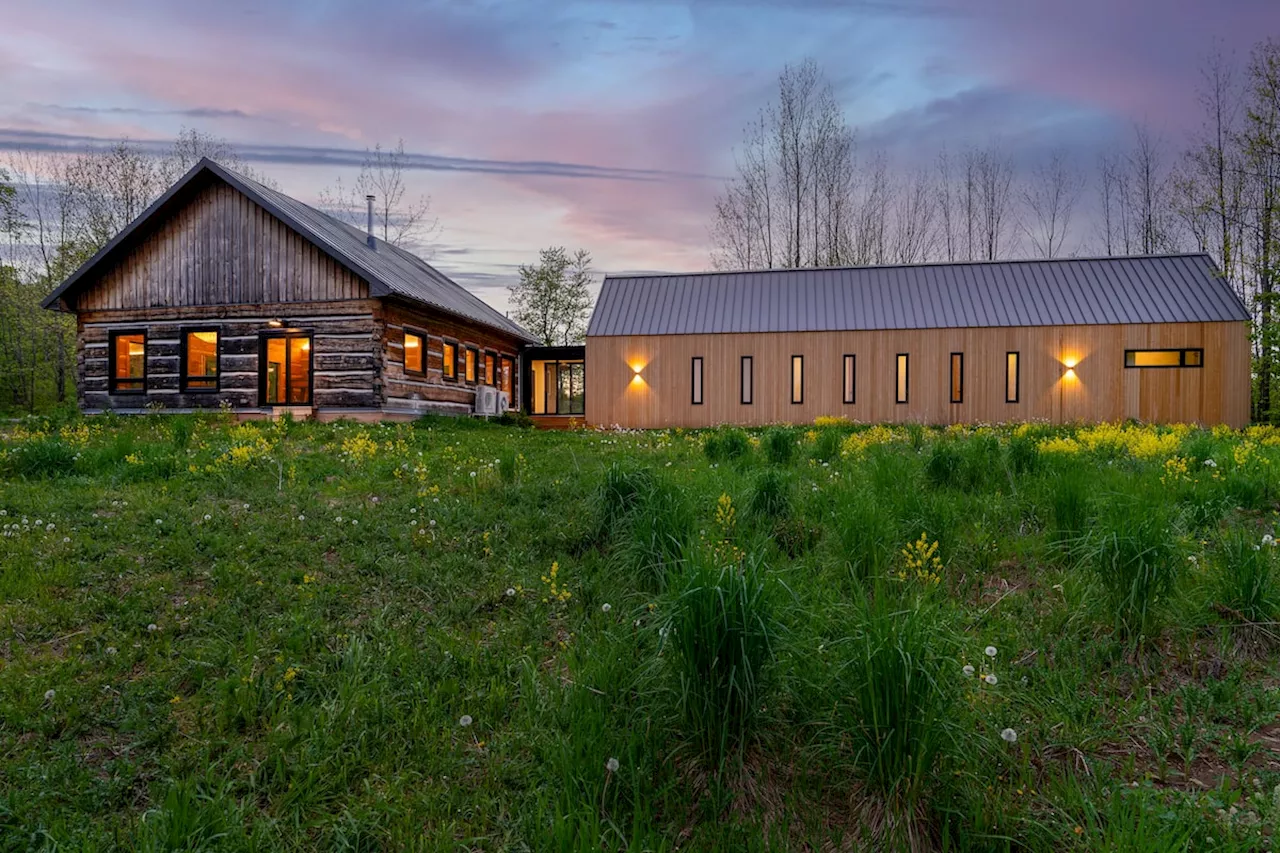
<point x="797" y="379"/>
<point x="1012" y="375"/>
<point x="902" y="378"/>
<point x="746" y="378"/>
<point x="957" y="377"/>
<point x="850" y="384"/>
<point x="696" y="379"/>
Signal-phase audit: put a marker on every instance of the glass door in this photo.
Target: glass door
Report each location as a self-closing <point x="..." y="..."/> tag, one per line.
<point x="572" y="389"/>
<point x="284" y="376"/>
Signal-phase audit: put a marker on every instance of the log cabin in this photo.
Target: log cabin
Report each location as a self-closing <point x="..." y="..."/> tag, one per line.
<point x="228" y="293"/>
<point x="1157" y="339"/>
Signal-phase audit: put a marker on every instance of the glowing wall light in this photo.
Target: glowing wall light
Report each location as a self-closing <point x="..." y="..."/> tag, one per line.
<point x="1069" y="363"/>
<point x="637" y="367"/>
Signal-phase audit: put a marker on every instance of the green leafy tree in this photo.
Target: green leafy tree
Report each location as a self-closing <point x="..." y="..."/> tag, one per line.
<point x="553" y="298"/>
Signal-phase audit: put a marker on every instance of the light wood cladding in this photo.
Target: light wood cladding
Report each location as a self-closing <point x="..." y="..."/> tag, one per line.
<point x="1099" y="388"/>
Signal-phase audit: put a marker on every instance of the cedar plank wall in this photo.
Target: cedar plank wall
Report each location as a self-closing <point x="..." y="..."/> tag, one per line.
<point x="1103" y="388"/>
<point x="222" y="260"/>
<point x="411" y="392"/>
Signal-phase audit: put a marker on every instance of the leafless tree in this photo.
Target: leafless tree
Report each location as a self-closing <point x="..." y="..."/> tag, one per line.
<point x="1050" y="195"/>
<point x="989" y="178"/>
<point x="948" y="209"/>
<point x="404" y="220"/>
<point x="915" y="234"/>
<point x="1149" y="187"/>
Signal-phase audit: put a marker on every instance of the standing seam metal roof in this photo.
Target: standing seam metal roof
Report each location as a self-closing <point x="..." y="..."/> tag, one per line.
<point x="1185" y="288"/>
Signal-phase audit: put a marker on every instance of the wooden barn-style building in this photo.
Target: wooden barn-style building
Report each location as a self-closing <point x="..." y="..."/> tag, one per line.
<point x="1157" y="339"/>
<point x="226" y="292"/>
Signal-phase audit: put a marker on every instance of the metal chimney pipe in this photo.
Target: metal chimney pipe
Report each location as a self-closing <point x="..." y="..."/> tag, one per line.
<point x="369" y="239"/>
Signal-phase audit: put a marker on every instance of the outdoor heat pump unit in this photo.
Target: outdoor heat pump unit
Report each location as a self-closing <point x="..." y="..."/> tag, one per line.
<point x="487" y="400"/>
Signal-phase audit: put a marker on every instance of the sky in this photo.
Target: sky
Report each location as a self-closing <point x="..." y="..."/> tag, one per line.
<point x="605" y="125"/>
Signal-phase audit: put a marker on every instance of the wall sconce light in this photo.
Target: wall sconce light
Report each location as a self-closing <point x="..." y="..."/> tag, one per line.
<point x="275" y="322"/>
<point x="1070" y="365"/>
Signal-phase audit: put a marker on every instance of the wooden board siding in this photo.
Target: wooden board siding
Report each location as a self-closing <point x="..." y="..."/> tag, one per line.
<point x="403" y="391"/>
<point x="1102" y="389"/>
<point x="346" y="341"/>
<point x="220" y="249"/>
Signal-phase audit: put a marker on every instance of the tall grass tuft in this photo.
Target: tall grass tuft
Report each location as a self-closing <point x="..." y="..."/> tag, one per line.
<point x="726" y="445"/>
<point x="827" y="446"/>
<point x="945" y="465"/>
<point x="507" y="465"/>
<point x="180" y="429"/>
<point x="721" y="636"/>
<point x="43" y="458"/>
<point x="779" y="446"/>
<point x="1069" y="508"/>
<point x="660" y="527"/>
<point x="898" y="690"/>
<point x="865" y="535"/>
<point x="1135" y="559"/>
<point x="1246" y="583"/>
<point x="621" y="490"/>
<point x="1023" y="455"/>
<point x="770" y="495"/>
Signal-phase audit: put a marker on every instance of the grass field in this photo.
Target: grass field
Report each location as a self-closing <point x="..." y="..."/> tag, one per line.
<point x="460" y="636"/>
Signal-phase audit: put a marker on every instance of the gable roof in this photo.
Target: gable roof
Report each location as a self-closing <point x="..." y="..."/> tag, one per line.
<point x="389" y="270"/>
<point x="1071" y="291"/>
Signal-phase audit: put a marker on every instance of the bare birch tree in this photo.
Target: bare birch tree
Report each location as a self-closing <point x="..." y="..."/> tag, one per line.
<point x="402" y="219"/>
<point x="1049" y="195"/>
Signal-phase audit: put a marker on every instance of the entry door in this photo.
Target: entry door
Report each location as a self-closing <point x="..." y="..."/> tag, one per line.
<point x="284" y="372"/>
<point x="572" y="389"/>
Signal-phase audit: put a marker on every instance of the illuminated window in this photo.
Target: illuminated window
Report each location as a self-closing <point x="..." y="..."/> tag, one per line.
<point x="797" y="379"/>
<point x="902" y="378"/>
<point x="450" y="361"/>
<point x="745" y="381"/>
<point x="1012" y="375"/>
<point x="696" y="391"/>
<point x="490" y="366"/>
<point x="957" y="377"/>
<point x="506" y="371"/>
<point x="128" y="363"/>
<point x="415" y="353"/>
<point x="284" y="370"/>
<point x="850" y="379"/>
<point x="470" y="374"/>
<point x="199" y="360"/>
<point x="1164" y="358"/>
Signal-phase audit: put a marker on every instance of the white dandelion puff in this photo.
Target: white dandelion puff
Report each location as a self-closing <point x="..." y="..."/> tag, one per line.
<point x="968" y="670"/>
<point x="612" y="765"/>
<point x="111" y="651"/>
<point x="606" y="607"/>
<point x="49" y="694"/>
<point x="990" y="678"/>
<point x="464" y="720"/>
<point x="153" y="627"/>
<point x="1009" y="736"/>
<point x="990" y="651"/>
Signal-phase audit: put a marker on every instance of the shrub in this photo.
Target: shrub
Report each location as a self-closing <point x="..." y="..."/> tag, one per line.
<point x="1135" y="560"/>
<point x="659" y="529"/>
<point x="899" y="695"/>
<point x="721" y="636"/>
<point x="1246" y="583"/>
<point x="771" y="495"/>
<point x="779" y="446"/>
<point x="726" y="445"/>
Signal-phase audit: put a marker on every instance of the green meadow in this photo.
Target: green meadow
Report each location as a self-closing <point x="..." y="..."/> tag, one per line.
<point x="459" y="636"/>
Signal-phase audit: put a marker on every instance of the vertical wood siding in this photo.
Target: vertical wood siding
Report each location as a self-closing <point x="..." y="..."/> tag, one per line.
<point x="1102" y="389"/>
<point x="220" y="249"/>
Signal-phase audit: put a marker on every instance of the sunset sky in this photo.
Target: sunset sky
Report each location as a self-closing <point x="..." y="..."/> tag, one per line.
<point x="602" y="125"/>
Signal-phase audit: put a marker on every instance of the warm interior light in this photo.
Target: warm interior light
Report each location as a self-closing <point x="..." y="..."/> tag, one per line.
<point x="306" y="346"/>
<point x="411" y="342"/>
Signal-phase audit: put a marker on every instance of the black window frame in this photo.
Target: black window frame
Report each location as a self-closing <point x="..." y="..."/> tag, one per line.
<point x="1182" y="358"/>
<point x="114" y="381"/>
<point x="791" y="378"/>
<point x="697" y="392"/>
<point x="475" y="365"/>
<point x="184" y="374"/>
<point x="746" y="381"/>
<point x="957" y="391"/>
<point x="1017" y="376"/>
<point x="263" y="337"/>
<point x="423" y="340"/>
<point x="504" y="359"/>
<point x="902" y="395"/>
<point x="445" y="345"/>
<point x="849" y="379"/>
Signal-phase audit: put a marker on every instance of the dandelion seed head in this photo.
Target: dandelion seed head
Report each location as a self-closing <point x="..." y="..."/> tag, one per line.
<point x="606" y="607"/>
<point x="990" y="651"/>
<point x="990" y="678"/>
<point x="464" y="720"/>
<point x="1009" y="736"/>
<point x="612" y="765"/>
<point x="49" y="694"/>
<point x="511" y="591"/>
<point x="153" y="627"/>
<point x="969" y="670"/>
